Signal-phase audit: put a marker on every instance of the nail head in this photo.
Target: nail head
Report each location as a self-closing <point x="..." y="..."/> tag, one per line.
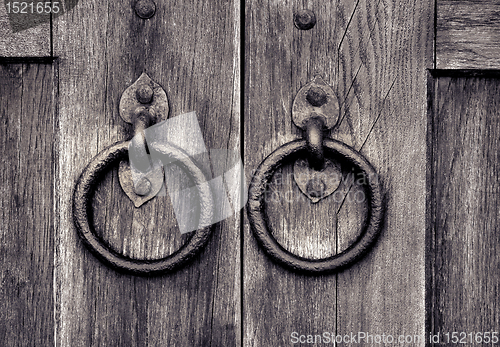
<point x="144" y="94"/>
<point x="143" y="187"/>
<point x="145" y="9"/>
<point x="304" y="19"/>
<point x="316" y="97"/>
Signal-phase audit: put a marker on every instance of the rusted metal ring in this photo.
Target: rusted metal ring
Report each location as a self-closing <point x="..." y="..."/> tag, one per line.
<point x="258" y="218"/>
<point x="82" y="212"/>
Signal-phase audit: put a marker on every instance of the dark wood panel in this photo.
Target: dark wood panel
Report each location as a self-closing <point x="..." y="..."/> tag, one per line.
<point x="463" y="262"/>
<point x="191" y="49"/>
<point x="374" y="54"/>
<point x="27" y="176"/>
<point x="468" y="34"/>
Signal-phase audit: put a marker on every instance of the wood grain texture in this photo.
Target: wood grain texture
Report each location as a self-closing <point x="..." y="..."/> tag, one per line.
<point x="463" y="263"/>
<point x="32" y="42"/>
<point x="468" y="34"/>
<point x="27" y="218"/>
<point x="192" y="50"/>
<point x="279" y="59"/>
<point x="385" y="119"/>
<point x="374" y="54"/>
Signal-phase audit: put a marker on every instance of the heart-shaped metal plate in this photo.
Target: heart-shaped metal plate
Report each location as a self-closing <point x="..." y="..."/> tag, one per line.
<point x="317" y="185"/>
<point x="147" y="184"/>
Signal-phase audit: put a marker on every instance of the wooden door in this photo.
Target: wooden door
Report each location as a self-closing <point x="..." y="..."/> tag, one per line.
<point x="417" y="92"/>
<point x="374" y="54"/>
<point x="55" y="119"/>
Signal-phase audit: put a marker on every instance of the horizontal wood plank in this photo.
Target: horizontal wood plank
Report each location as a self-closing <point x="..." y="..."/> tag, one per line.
<point x="468" y="34"/>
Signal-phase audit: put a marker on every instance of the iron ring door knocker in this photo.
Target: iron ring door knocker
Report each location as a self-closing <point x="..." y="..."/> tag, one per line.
<point x="314" y="110"/>
<point x="118" y="153"/>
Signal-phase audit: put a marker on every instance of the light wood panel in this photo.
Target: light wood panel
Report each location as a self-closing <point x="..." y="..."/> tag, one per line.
<point x="191" y="49"/>
<point x="386" y="120"/>
<point x="27" y="206"/>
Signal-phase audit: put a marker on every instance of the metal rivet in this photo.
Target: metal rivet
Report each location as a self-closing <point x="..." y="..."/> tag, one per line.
<point x="315" y="188"/>
<point x="316" y="96"/>
<point x="144" y="94"/>
<point x="145" y="8"/>
<point x="304" y="19"/>
<point x="143" y="187"/>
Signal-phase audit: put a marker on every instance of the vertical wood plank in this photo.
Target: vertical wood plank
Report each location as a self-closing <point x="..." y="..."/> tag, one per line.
<point x="463" y="264"/>
<point x="375" y="57"/>
<point x="27" y="218"/>
<point x="279" y="60"/>
<point x="385" y="119"/>
<point x="191" y="49"/>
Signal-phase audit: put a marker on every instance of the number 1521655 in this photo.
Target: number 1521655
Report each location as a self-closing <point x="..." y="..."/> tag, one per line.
<point x="32" y="7"/>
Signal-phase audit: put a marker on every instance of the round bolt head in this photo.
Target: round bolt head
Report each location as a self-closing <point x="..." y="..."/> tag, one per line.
<point x="144" y="94"/>
<point x="143" y="187"/>
<point x="145" y="8"/>
<point x="315" y="188"/>
<point x="304" y="19"/>
<point x="316" y="97"/>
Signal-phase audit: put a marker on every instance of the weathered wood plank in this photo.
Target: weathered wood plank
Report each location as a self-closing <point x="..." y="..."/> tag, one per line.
<point x="385" y="120"/>
<point x="27" y="218"/>
<point x="191" y="49"/>
<point x="279" y="60"/>
<point x="468" y="34"/>
<point x="32" y="42"/>
<point x="463" y="207"/>
<point x="377" y="67"/>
